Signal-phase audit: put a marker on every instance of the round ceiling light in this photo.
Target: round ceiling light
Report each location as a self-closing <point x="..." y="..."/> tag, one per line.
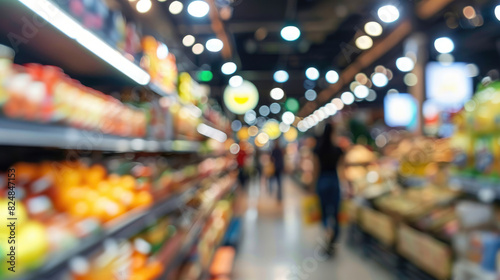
<point x="214" y="45"/>
<point x="388" y="13"/>
<point x="188" y="40"/>
<point x="444" y="45"/>
<point x="347" y="97"/>
<point x="198" y="48"/>
<point x="312" y="73"/>
<point x="175" y="7"/>
<point x="280" y="76"/>
<point x="373" y="28"/>
<point x="277" y="93"/>
<point x="405" y="64"/>
<point x="364" y="42"/>
<point x="235" y="81"/>
<point x="198" y="8"/>
<point x="228" y="68"/>
<point x="332" y="76"/>
<point x="290" y="33"/>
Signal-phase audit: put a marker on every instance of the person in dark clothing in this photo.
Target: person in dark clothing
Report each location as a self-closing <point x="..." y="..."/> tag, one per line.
<point x="279" y="166"/>
<point x="329" y="158"/>
<point x="241" y="159"/>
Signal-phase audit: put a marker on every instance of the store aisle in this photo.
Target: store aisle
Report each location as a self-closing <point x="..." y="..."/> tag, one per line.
<point x="276" y="245"/>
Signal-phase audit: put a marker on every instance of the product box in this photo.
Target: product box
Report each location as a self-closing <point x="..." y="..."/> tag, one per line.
<point x="429" y="254"/>
<point x="379" y="225"/>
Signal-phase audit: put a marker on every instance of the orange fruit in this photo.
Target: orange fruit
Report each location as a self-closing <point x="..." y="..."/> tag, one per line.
<point x="142" y="198"/>
<point x="128" y="182"/>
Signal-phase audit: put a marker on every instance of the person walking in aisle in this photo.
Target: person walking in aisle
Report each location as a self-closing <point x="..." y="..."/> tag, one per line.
<point x="241" y="158"/>
<point x="329" y="165"/>
<point x="279" y="166"/>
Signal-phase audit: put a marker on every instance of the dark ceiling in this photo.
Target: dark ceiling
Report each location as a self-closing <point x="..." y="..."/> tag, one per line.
<point x="254" y="28"/>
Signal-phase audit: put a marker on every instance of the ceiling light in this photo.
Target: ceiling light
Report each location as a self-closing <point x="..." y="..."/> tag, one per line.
<point x="411" y="79"/>
<point x="332" y="109"/>
<point x="74" y="30"/>
<point x="312" y="73"/>
<point x="469" y="12"/>
<point x="288" y="118"/>
<point x="347" y="97"/>
<point x="277" y="93"/>
<point x="235" y="81"/>
<point x="228" y="68"/>
<point x="290" y="33"/>
<point x="198" y="8"/>
<point x="143" y="6"/>
<point x="338" y="104"/>
<point x="372" y="95"/>
<point x="175" y="7"/>
<point x="188" y="40"/>
<point x="373" y="28"/>
<point x="284" y="127"/>
<point x="302" y="126"/>
<point x="332" y="76"/>
<point x="280" y="76"/>
<point x="364" y="42"/>
<point x="311" y="95"/>
<point x="444" y="45"/>
<point x="264" y="110"/>
<point x="405" y="64"/>
<point x="497" y="12"/>
<point x="275" y="108"/>
<point x="388" y="13"/>
<point x="250" y="117"/>
<point x="320" y="115"/>
<point x="380" y="80"/>
<point x="198" y="48"/>
<point x="214" y="45"/>
<point x="236" y="125"/>
<point x="361" y="91"/>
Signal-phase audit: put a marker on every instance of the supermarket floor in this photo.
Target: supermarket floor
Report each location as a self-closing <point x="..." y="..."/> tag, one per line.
<point x="276" y="245"/>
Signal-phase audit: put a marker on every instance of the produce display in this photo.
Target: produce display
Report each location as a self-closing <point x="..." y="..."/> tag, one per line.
<point x="59" y="203"/>
<point x="415" y="202"/>
<point x="159" y="63"/>
<point x="476" y="145"/>
<point x="45" y="94"/>
<point x="143" y="255"/>
<point x="107" y="214"/>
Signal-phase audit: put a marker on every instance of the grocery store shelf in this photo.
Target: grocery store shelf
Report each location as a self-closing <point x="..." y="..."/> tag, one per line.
<point x="465" y="269"/>
<point x="77" y="51"/>
<point x="122" y="227"/>
<point x="485" y="191"/>
<point x="20" y="133"/>
<point x="192" y="236"/>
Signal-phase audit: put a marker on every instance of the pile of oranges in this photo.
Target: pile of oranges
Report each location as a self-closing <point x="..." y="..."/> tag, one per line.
<point x="84" y="191"/>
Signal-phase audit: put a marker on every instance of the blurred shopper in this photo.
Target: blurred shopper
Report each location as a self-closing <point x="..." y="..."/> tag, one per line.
<point x="329" y="164"/>
<point x="241" y="158"/>
<point x="279" y="164"/>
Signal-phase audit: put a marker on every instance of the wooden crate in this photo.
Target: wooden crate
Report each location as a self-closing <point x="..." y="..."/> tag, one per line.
<point x="426" y="252"/>
<point x="379" y="225"/>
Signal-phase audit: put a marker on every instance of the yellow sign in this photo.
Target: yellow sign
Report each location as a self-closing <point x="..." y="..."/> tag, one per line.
<point x="241" y="99"/>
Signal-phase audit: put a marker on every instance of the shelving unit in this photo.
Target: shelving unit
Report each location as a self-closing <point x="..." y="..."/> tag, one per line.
<point x="59" y="39"/>
<point x="20" y="133"/>
<point x="122" y="227"/>
<point x="485" y="191"/>
<point x="191" y="237"/>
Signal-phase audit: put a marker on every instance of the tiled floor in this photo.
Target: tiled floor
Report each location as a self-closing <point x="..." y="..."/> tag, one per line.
<point x="276" y="245"/>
